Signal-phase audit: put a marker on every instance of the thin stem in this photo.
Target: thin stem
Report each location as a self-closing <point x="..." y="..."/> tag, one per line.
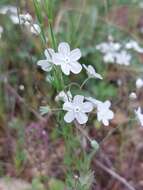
<point x="52" y="37"/>
<point x="84" y="82"/>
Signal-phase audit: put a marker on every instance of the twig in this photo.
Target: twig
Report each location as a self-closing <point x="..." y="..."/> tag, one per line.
<point x="115" y="175"/>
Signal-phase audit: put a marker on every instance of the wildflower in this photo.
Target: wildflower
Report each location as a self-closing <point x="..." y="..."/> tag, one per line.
<point x="132" y="44"/>
<point x="91" y="72"/>
<point x="77" y="109"/>
<point x="11" y="11"/>
<point x="46" y="64"/>
<point x="68" y="60"/>
<point x="109" y="50"/>
<point x="139" y="115"/>
<point x="65" y="97"/>
<point x="1" y="31"/>
<point x="104" y="114"/>
<point x="123" y="58"/>
<point x="139" y="83"/>
<point x="132" y="95"/>
<point x="25" y="18"/>
<point x="35" y="29"/>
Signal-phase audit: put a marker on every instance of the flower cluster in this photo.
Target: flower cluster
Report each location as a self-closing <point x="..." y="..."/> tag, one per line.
<point x="11" y="11"/>
<point x="26" y="20"/>
<point x="77" y="107"/>
<point x="114" y="52"/>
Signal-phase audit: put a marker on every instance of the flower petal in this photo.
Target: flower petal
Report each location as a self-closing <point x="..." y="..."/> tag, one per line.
<point x="81" y="117"/>
<point x="105" y="122"/>
<point x="64" y="48"/>
<point x="48" y="53"/>
<point x="45" y="65"/>
<point x="75" y="55"/>
<point x="87" y="107"/>
<point x="69" y="116"/>
<point x="67" y="106"/>
<point x="78" y="99"/>
<point x="57" y="58"/>
<point x="75" y="67"/>
<point x="65" y="68"/>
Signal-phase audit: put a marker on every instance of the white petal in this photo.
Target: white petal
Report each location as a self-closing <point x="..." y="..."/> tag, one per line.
<point x="64" y="48"/>
<point x="57" y="58"/>
<point x="87" y="107"/>
<point x="68" y="106"/>
<point x="78" y="99"/>
<point x="107" y="103"/>
<point x="109" y="114"/>
<point x="47" y="52"/>
<point x="65" y="68"/>
<point x="75" y="67"/>
<point x="81" y="118"/>
<point x="69" y="116"/>
<point x="45" y="65"/>
<point x="105" y="122"/>
<point x="75" y="55"/>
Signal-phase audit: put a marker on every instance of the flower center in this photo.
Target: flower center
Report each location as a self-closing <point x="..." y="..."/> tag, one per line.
<point x="77" y="109"/>
<point x="67" y="59"/>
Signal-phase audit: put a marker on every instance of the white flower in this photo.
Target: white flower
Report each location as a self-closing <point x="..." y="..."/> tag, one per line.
<point x="25" y="18"/>
<point x="132" y="95"/>
<point x="139" y="83"/>
<point x="35" y="29"/>
<point x="11" y="11"/>
<point x="91" y="72"/>
<point x="109" y="50"/>
<point x="46" y="64"/>
<point x="65" y="97"/>
<point x="104" y="114"/>
<point x="77" y="109"/>
<point x="68" y="60"/>
<point x="1" y="31"/>
<point x="123" y="58"/>
<point x="134" y="45"/>
<point x="139" y="115"/>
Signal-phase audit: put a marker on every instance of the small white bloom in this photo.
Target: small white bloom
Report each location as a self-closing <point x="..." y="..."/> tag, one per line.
<point x="8" y="9"/>
<point x="67" y="59"/>
<point x="35" y="29"/>
<point x="104" y="114"/>
<point x="65" y="97"/>
<point x="91" y="72"/>
<point x="11" y="11"/>
<point x="139" y="115"/>
<point x="25" y="18"/>
<point x="1" y="31"/>
<point x="123" y="58"/>
<point x="46" y="64"/>
<point x="109" y="50"/>
<point x="77" y="109"/>
<point x="139" y="83"/>
<point x="132" y="95"/>
<point x="132" y="44"/>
